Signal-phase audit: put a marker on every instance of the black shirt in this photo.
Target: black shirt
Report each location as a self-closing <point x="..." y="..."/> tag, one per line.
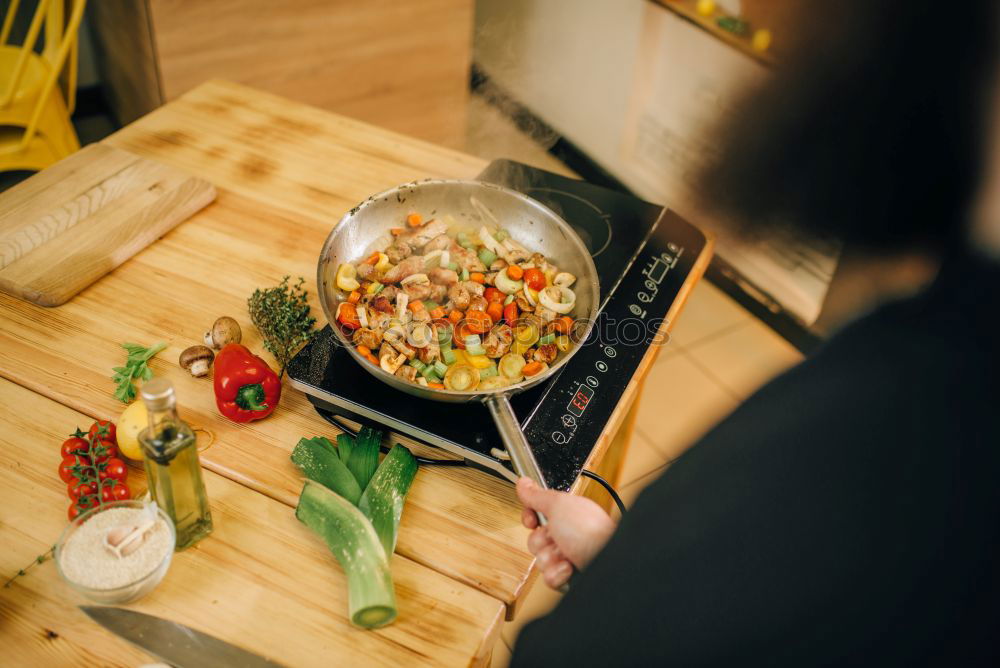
<point x="846" y="513"/>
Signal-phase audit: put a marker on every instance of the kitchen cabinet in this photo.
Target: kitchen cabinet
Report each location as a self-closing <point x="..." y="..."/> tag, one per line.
<point x="400" y="65"/>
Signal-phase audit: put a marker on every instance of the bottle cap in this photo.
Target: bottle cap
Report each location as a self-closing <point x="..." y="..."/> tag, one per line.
<point x="158" y="394"/>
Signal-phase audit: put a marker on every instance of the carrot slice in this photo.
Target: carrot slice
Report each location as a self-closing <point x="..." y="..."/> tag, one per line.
<point x="495" y="311"/>
<point x="415" y="306"/>
<point x="531" y="368"/>
<point x="372" y="259"/>
<point x="515" y="272"/>
<point x="354" y="297"/>
<point x="563" y="325"/>
<point x="455" y="316"/>
<point x="478" y="322"/>
<point x="414" y="220"/>
<point x="436" y="386"/>
<point x="396" y="231"/>
<point x="365" y="351"/>
<point x="437" y="313"/>
<point x="478" y="277"/>
<point x="461" y="331"/>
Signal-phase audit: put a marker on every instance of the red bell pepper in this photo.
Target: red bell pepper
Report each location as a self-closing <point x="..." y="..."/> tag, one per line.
<point x="245" y="386"/>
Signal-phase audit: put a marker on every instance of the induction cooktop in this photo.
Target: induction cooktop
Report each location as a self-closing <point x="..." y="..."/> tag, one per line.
<point x="643" y="254"/>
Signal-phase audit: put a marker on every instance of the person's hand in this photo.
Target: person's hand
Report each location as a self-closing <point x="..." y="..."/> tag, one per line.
<point x="577" y="530"/>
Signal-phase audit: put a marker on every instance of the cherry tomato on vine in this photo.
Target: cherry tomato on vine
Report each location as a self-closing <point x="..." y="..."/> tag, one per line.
<point x="81" y="506"/>
<point x="114" y="469"/>
<point x="111" y="431"/>
<point x="74" y="445"/>
<point x="110" y="450"/>
<point x="81" y="489"/>
<point x="66" y="468"/>
<point x="117" y="492"/>
<point x="534" y="278"/>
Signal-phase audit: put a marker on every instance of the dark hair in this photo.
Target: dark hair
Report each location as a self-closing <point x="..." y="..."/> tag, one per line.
<point x="873" y="131"/>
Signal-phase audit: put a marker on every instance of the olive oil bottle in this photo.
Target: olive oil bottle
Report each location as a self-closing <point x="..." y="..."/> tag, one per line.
<point x="173" y="470"/>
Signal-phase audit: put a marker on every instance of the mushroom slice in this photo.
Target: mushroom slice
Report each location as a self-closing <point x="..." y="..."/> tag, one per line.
<point x="392" y="363"/>
<point x="564" y="279"/>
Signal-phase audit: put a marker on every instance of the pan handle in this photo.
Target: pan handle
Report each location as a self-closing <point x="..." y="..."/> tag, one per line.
<point x="517" y="447"/>
<point x="513" y="439"/>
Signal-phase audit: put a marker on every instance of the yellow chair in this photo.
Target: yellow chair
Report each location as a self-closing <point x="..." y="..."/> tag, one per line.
<point x="35" y="127"/>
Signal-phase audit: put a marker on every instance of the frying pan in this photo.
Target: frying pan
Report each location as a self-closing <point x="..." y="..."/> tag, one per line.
<point x="366" y="229"/>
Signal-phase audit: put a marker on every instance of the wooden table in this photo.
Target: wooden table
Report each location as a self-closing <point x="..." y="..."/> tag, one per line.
<point x="285" y="174"/>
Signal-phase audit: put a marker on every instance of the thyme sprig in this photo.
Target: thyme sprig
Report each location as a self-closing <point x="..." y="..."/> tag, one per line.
<point x="281" y="315"/>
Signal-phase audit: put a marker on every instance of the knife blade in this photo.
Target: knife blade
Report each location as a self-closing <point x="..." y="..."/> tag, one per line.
<point x="172" y="642"/>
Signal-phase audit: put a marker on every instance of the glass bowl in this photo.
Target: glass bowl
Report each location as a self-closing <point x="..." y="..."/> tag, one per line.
<point x="124" y="593"/>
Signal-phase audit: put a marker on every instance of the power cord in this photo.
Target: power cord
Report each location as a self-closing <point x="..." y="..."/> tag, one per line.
<point x="344" y="427"/>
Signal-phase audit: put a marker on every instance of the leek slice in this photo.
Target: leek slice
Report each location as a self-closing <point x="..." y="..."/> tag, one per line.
<point x="510" y="366"/>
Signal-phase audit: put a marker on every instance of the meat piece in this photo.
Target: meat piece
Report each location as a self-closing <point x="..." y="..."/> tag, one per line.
<point x="459" y="296"/>
<point x="398" y="252"/>
<point x="477" y="303"/>
<point x="367" y="272"/>
<point x="442" y="276"/>
<point x="491" y="278"/>
<point x="474" y="288"/>
<point x="411" y="265"/>
<point x="498" y="264"/>
<point x="432" y="352"/>
<point x="383" y="305"/>
<point x="407" y="372"/>
<point x="498" y="341"/>
<point x="467" y="259"/>
<point x="398" y="341"/>
<point x="367" y="337"/>
<point x="545" y="353"/>
<point x="420" y="236"/>
<point x="417" y="290"/>
<point x="439" y="292"/>
<point x="390" y="292"/>
<point x="421" y="315"/>
<point x="378" y="321"/>
<point x="440" y="242"/>
<point x="537" y="259"/>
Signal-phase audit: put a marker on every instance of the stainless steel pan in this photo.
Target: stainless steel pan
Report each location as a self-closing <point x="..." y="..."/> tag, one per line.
<point x="366" y="228"/>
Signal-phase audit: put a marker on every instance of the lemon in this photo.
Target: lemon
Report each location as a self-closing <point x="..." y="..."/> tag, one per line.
<point x="133" y="419"/>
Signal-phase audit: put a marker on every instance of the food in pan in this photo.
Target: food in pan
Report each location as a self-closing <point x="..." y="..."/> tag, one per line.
<point x="456" y="309"/>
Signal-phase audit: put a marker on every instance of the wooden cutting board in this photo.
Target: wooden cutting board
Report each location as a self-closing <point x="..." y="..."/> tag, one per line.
<point x="70" y="224"/>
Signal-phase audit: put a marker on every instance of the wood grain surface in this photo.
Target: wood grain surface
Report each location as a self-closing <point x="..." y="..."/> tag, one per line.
<point x="286" y="173"/>
<point x="399" y="65"/>
<point x="65" y="227"/>
<point x="460" y="522"/>
<point x="262" y="580"/>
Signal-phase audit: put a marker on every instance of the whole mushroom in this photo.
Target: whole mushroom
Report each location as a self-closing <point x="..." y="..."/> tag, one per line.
<point x="197" y="360"/>
<point x="224" y="331"/>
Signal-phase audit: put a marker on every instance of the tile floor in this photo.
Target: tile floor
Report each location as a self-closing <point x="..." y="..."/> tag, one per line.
<point x="718" y="355"/>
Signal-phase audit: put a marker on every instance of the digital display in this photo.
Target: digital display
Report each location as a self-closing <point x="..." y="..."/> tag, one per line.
<point x="579" y="402"/>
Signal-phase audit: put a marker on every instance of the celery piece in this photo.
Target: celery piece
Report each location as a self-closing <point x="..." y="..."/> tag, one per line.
<point x="440" y="368"/>
<point x="548" y="338"/>
<point x="487" y="257"/>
